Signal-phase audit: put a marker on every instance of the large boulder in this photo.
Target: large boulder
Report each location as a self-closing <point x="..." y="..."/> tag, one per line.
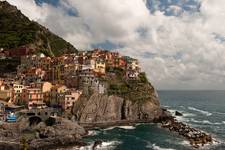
<point x="63" y="127"/>
<point x="177" y="113"/>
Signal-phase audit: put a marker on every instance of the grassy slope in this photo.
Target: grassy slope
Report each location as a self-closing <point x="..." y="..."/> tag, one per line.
<point x="136" y="91"/>
<point x="17" y="30"/>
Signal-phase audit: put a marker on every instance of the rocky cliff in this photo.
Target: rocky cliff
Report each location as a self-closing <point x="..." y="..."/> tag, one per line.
<point x="141" y="103"/>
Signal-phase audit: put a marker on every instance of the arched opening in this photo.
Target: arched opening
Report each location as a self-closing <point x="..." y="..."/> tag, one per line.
<point x="50" y="121"/>
<point x="34" y="120"/>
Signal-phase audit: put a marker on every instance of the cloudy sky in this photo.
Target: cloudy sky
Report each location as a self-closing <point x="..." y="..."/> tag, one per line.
<point x="180" y="43"/>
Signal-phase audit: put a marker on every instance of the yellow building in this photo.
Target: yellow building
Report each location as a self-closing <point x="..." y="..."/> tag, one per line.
<point x="57" y="94"/>
<point x="100" y="66"/>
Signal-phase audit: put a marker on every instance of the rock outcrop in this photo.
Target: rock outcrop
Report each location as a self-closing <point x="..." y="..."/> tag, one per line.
<point x="64" y="132"/>
<point x="103" y="108"/>
<point x="177" y="113"/>
<point x="63" y="127"/>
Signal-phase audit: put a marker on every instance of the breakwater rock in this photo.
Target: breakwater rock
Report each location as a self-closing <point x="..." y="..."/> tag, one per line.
<point x="195" y="136"/>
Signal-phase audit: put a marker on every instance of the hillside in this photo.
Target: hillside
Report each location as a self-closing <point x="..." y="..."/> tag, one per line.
<point x="17" y="30"/>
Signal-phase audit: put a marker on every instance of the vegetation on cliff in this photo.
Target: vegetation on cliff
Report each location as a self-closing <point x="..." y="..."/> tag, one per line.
<point x="134" y="90"/>
<point x="17" y="30"/>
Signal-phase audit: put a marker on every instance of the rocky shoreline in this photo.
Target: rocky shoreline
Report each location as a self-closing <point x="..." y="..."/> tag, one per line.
<point x="65" y="133"/>
<point x="20" y="135"/>
<point x="196" y="137"/>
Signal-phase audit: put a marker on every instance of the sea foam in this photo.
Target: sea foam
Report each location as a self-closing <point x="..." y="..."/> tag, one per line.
<point x="92" y="132"/>
<point x="201" y="111"/>
<point x="122" y="127"/>
<point x="183" y="118"/>
<point x="205" y="122"/>
<point x="156" y="147"/>
<point x="127" y="127"/>
<point x="109" y="145"/>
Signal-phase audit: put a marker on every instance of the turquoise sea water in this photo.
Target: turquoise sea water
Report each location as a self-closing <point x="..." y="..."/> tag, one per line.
<point x="204" y="110"/>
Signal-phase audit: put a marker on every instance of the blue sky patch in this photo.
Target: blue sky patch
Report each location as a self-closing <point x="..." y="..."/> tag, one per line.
<point x="51" y="2"/>
<point x="56" y="3"/>
<point x="189" y="6"/>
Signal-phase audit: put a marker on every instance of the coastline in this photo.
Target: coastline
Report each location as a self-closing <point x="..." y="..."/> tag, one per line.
<point x="70" y="139"/>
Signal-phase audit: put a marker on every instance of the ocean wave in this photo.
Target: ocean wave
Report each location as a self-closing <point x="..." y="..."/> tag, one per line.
<point x="156" y="147"/>
<point x="206" y="122"/>
<point x="184" y="113"/>
<point x="127" y="127"/>
<point x="110" y="128"/>
<point x="201" y="111"/>
<point x="109" y="145"/>
<point x="121" y="127"/>
<point x="220" y="113"/>
<point x="166" y="106"/>
<point x="92" y="132"/>
<point x="185" y="143"/>
<point x="183" y="118"/>
<point x="223" y="122"/>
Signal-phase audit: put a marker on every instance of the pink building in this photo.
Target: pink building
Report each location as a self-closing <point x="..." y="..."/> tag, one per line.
<point x="32" y="95"/>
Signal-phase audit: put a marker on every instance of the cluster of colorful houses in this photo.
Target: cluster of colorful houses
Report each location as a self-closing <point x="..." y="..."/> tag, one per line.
<point x="59" y="81"/>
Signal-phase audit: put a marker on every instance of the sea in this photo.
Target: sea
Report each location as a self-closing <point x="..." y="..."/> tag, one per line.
<point x="204" y="110"/>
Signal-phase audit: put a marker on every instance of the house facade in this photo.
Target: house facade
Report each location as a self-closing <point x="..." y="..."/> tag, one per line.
<point x="31" y="95"/>
<point x="71" y="97"/>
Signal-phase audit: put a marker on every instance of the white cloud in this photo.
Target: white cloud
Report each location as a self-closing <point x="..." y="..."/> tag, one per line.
<point x="186" y="53"/>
